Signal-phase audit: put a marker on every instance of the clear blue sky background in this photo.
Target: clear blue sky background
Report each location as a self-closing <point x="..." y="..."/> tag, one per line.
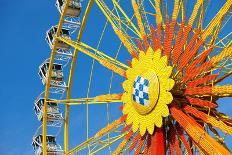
<point x="23" y="48"/>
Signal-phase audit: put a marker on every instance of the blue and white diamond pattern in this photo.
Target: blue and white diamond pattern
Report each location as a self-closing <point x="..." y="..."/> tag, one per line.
<point x="140" y="91"/>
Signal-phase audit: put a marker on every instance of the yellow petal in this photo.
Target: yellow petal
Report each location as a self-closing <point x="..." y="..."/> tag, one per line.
<point x="129" y="118"/>
<point x="150" y="127"/>
<point x="158" y="68"/>
<point x="131" y="74"/>
<point x="164" y="59"/>
<point x="158" y="121"/>
<point x="125" y="85"/>
<point x="157" y="55"/>
<point x="135" y="124"/>
<point x="166" y="72"/>
<point x="141" y="55"/>
<point x="142" y="129"/>
<point x="170" y="84"/>
<point x="149" y="53"/>
<point x="165" y="98"/>
<point x="127" y="108"/>
<point x="134" y="62"/>
<point x="165" y="111"/>
<point x="166" y="83"/>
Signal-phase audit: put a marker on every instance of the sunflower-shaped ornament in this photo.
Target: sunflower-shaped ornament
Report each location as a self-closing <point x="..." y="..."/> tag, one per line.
<point x="147" y="93"/>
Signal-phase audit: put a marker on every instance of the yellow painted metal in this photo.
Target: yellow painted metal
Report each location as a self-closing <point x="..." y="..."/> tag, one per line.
<point x="127" y="18"/>
<point x="115" y="22"/>
<point x="111" y="127"/>
<point x="222" y="41"/>
<point x="159" y="18"/>
<point x="200" y="23"/>
<point x="86" y="49"/>
<point x="182" y="10"/>
<point x="195" y="12"/>
<point x="94" y="100"/>
<point x="108" y="144"/>
<point x="79" y="102"/>
<point x="66" y="133"/>
<point x="120" y="147"/>
<point x="217" y="19"/>
<point x="175" y="10"/>
<point x="139" y="18"/>
<point x="48" y="80"/>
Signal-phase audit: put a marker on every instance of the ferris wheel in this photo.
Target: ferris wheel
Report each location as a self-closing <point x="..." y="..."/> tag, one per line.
<point x="175" y="65"/>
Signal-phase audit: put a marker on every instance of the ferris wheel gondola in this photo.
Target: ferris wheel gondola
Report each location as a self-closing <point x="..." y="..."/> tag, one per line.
<point x="50" y="37"/>
<point x="74" y="7"/>
<point x="52" y="147"/>
<point x="54" y="116"/>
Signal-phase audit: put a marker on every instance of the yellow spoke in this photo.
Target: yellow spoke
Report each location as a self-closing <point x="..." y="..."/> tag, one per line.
<point x="195" y="12"/>
<point x="108" y="98"/>
<point x="116" y="22"/>
<point x="222" y="91"/>
<point x="144" y="18"/>
<point x="226" y="52"/>
<point x="175" y="10"/>
<point x="102" y="58"/>
<point x="217" y="19"/>
<point x="223" y="77"/>
<point x="112" y="140"/>
<point x="226" y="38"/>
<point x="128" y="20"/>
<point x="159" y="18"/>
<point x="120" y="147"/>
<point x="139" y="18"/>
<point x="90" y="51"/>
<point x="100" y="134"/>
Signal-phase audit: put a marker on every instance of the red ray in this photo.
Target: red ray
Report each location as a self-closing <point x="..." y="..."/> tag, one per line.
<point x="140" y="145"/>
<point x="148" y="144"/>
<point x="184" y="39"/>
<point x="189" y="52"/>
<point x="134" y="55"/>
<point x="129" y="63"/>
<point x="180" y="133"/>
<point x="199" y="90"/>
<point x="198" y="60"/>
<point x="197" y="71"/>
<point x="154" y="39"/>
<point x="120" y="108"/>
<point x="135" y="141"/>
<point x="166" y="38"/>
<point x="203" y="80"/>
<point x="171" y="139"/>
<point x="201" y="103"/>
<point x="159" y="37"/>
<point x="123" y="118"/>
<point x="145" y="41"/>
<point x="129" y="135"/>
<point x="157" y="143"/>
<point x="177" y="49"/>
<point x="140" y="45"/>
<point x="126" y="128"/>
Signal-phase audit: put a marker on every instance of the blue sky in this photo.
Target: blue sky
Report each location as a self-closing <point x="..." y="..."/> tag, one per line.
<point x="23" y="49"/>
